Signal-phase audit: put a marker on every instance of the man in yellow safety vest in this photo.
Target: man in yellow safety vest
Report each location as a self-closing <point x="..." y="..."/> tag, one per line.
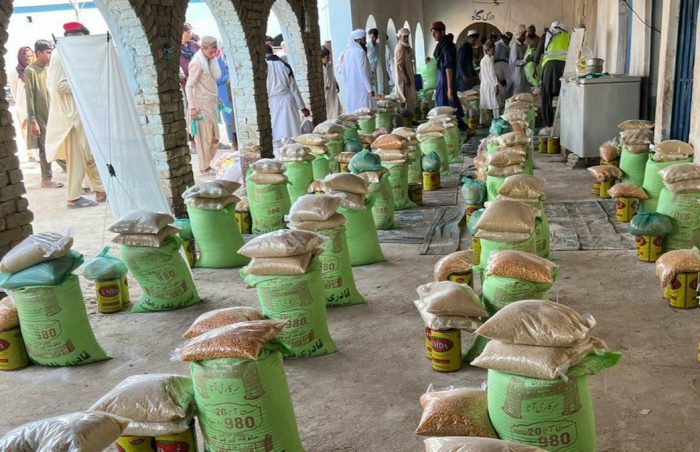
<point x="551" y="53"/>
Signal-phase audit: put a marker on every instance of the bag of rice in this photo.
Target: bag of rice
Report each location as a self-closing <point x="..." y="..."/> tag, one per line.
<point x="146" y="239"/>
<point x="333" y="222"/>
<point x="35" y="249"/>
<point x="392" y="155"/>
<point x="505" y="171"/>
<point x="475" y="444"/>
<point x="506" y="158"/>
<point x="430" y="126"/>
<point x="602" y="172"/>
<point x="280" y="266"/>
<point x="513" y="139"/>
<point x="632" y="124"/>
<point x="142" y="222"/>
<point x="637" y="136"/>
<point x="268" y="205"/>
<point x="221" y="317"/>
<point x="457" y="262"/>
<point x="74" y="432"/>
<point x="406" y="132"/>
<point x="674" y="147"/>
<point x="346" y="182"/>
<point x="299" y="177"/>
<point x="546" y="363"/>
<point x="283" y="243"/>
<point x="268" y="166"/>
<point x="243" y="340"/>
<point x="447" y="298"/>
<point x="538" y="322"/>
<point x="155" y="404"/>
<point x="311" y="139"/>
<point x="212" y="189"/>
<point x="677" y="261"/>
<point x="522" y="186"/>
<point x="268" y="178"/>
<point x="350" y="201"/>
<point x="500" y="291"/>
<point x="328" y="127"/>
<point x="389" y="141"/>
<point x="455" y="412"/>
<point x="608" y="151"/>
<point x="8" y="315"/>
<point x="314" y="208"/>
<point x="508" y="216"/>
<point x="680" y="173"/>
<point x="441" y="111"/>
<point x="211" y="203"/>
<point x="627" y="190"/>
<point x="521" y="265"/>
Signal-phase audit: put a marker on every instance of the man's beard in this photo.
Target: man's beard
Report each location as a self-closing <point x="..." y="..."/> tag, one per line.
<point x="363" y="45"/>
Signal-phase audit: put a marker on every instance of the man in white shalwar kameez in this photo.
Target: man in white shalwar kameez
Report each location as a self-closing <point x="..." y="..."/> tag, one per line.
<point x="490" y="88"/>
<point x="355" y="74"/>
<point x="403" y="72"/>
<point x="330" y="86"/>
<point x="284" y="100"/>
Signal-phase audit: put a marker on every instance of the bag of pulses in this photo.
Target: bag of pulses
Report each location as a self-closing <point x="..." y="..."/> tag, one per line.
<point x="163" y="275"/>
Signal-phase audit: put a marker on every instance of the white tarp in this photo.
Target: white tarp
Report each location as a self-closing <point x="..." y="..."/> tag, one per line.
<point x="107" y="109"/>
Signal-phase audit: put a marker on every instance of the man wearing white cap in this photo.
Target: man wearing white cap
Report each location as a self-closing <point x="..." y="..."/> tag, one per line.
<point x="552" y="52"/>
<point x="355" y="73"/>
<point x="466" y="74"/>
<point x="518" y="81"/>
<point x="403" y="71"/>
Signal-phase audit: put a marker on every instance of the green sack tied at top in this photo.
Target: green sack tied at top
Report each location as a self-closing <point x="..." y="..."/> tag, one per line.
<point x="431" y="163"/>
<point x="364" y="161"/>
<point x="499" y="126"/>
<point x="363" y="241"/>
<point x="185" y="228"/>
<point x="48" y="273"/>
<point x="104" y="267"/>
<point x="473" y="191"/>
<point x="651" y="223"/>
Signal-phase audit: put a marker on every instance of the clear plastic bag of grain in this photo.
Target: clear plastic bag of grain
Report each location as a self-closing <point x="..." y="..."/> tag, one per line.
<point x="475" y="444"/>
<point x="221" y="317"/>
<point x="627" y="190"/>
<point x="458" y="262"/>
<point x="678" y="261"/>
<point x="522" y="265"/>
<point x="455" y="412"/>
<point x="602" y="172"/>
<point x="283" y="243"/>
<point x="8" y="314"/>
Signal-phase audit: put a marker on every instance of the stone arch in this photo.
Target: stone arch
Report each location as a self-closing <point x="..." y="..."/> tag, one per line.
<point x="419" y="47"/>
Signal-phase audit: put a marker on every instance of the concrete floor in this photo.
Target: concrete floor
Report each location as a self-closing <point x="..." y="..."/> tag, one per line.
<point x="365" y="397"/>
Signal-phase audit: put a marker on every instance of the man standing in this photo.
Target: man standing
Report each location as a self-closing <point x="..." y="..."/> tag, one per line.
<point x="446" y="56"/>
<point x="518" y="81"/>
<point x="38" y="106"/>
<point x="330" y="86"/>
<point x="355" y="74"/>
<point x="552" y="54"/>
<point x="500" y="60"/>
<point x="403" y="72"/>
<point x="389" y="62"/>
<point x="188" y="47"/>
<point x="225" y="97"/>
<point x="65" y="136"/>
<point x="373" y="57"/>
<point x="466" y="74"/>
<point x="532" y="40"/>
<point x="284" y="99"/>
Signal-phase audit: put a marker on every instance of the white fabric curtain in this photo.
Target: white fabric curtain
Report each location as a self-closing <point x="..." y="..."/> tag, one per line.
<point x="107" y="109"/>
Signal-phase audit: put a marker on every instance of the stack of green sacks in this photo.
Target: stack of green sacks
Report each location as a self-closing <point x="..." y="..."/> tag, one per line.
<point x="299" y="169"/>
<point x="431" y="138"/>
<point x="393" y="152"/>
<point x="286" y="272"/>
<point x="506" y="225"/>
<point x="453" y="137"/>
<point x="414" y="154"/>
<point x="349" y="124"/>
<point x="530" y="190"/>
<point x="333" y="134"/>
<point x="38" y="272"/>
<point x="317" y="145"/>
<point x="386" y="109"/>
<point x="540" y="354"/>
<point x="666" y="153"/>
<point x="318" y="213"/>
<point x="211" y="207"/>
<point x="268" y="197"/>
<point x="380" y="195"/>
<point x="245" y="355"/>
<point x="366" y="120"/>
<point x="363" y="241"/>
<point x="680" y="200"/>
<point x="635" y="138"/>
<point x="516" y="275"/>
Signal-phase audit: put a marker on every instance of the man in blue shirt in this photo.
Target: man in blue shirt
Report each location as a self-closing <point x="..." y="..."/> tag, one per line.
<point x="446" y="57"/>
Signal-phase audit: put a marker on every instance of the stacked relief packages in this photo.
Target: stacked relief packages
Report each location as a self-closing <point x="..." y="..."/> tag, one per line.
<point x="453" y="139"/>
<point x="530" y="190"/>
<point x="286" y="273"/>
<point x="414" y="155"/>
<point x="299" y="169"/>
<point x="431" y="140"/>
<point x="240" y="389"/>
<point x="393" y="152"/>
<point x="366" y="121"/>
<point x="380" y="196"/>
<point x="211" y="207"/>
<point x="52" y="315"/>
<point x="635" y="138"/>
<point x="666" y="153"/>
<point x="540" y="355"/>
<point x="333" y="134"/>
<point x="509" y="159"/>
<point x="317" y="144"/>
<point x="318" y="213"/>
<point x="363" y="241"/>
<point x="386" y="108"/>
<point x="268" y="197"/>
<point x="680" y="200"/>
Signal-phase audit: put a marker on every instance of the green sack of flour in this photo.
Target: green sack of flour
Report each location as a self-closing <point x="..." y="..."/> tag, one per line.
<point x="429" y="75"/>
<point x="398" y="181"/>
<point x="633" y="166"/>
<point x="415" y="168"/>
<point x="654" y="183"/>
<point x="363" y="241"/>
<point x="269" y="203"/>
<point x="333" y="148"/>
<point x="336" y="271"/>
<point x="55" y="325"/>
<point x="438" y="146"/>
<point x="385" y="120"/>
<point x="218" y="237"/>
<point x="299" y="177"/>
<point x="453" y="141"/>
<point x="684" y="211"/>
<point x="48" y="273"/>
<point x="499" y="291"/>
<point x="163" y="275"/>
<point x="555" y="415"/>
<point x="244" y="404"/>
<point x="367" y="126"/>
<point x="542" y="241"/>
<point x="493" y="184"/>
<point x="321" y="166"/>
<point x="381" y="198"/>
<point x="301" y="302"/>
<point x="350" y="134"/>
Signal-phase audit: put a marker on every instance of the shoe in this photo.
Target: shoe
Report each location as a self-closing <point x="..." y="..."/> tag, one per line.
<point x="51" y="184"/>
<point x="80" y="203"/>
<point x="100" y="196"/>
<point x="86" y="190"/>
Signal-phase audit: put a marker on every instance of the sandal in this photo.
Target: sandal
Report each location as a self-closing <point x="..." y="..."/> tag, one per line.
<point x="100" y="196"/>
<point x="51" y="184"/>
<point x="80" y="203"/>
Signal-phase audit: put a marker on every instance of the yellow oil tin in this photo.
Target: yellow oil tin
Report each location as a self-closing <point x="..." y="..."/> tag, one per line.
<point x="13" y="354"/>
<point x="596" y="188"/>
<point x="626" y="209"/>
<point x="473" y="123"/>
<point x="542" y="145"/>
<point x="431" y="181"/>
<point x="124" y="288"/>
<point x="553" y="145"/>
<point x="135" y="444"/>
<point x="463" y="278"/>
<point x="182" y="442"/>
<point x="604" y="187"/>
<point x="109" y="298"/>
<point x="682" y="293"/>
<point x="428" y="348"/>
<point x="446" y="348"/>
<point x="189" y="247"/>
<point x="649" y="247"/>
<point x="344" y="167"/>
<point x="244" y="221"/>
<point x="415" y="193"/>
<point x="476" y="248"/>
